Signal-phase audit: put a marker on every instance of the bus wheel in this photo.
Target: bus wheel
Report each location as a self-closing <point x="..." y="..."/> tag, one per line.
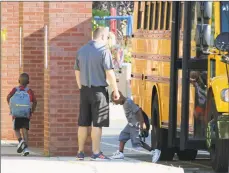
<point x="159" y="136"/>
<point x="219" y="148"/>
<point x="187" y="155"/>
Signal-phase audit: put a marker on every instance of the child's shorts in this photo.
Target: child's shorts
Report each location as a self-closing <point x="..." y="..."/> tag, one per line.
<point x="21" y="123"/>
<point x="130" y="133"/>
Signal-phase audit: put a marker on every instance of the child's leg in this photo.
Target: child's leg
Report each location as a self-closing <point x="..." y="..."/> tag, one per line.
<point x="25" y="136"/>
<point x="123" y="138"/>
<point x="121" y="146"/>
<point x="17" y="125"/>
<point x="18" y="134"/>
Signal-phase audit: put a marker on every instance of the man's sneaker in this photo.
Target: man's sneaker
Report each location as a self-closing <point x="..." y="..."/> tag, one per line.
<point x="99" y="156"/>
<point x="21" y="146"/>
<point x="117" y="155"/>
<point x="156" y="155"/>
<point x="25" y="152"/>
<point x="80" y="156"/>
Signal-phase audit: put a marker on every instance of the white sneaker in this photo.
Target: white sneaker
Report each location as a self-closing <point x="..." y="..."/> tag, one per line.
<point x="21" y="146"/>
<point x="156" y="155"/>
<point x="117" y="155"/>
<point x="25" y="152"/>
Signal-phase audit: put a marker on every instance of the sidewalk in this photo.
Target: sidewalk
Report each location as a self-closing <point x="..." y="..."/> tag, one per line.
<point x="70" y="165"/>
<point x="109" y="144"/>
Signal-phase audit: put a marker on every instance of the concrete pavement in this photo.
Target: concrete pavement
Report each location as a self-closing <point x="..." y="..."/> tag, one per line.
<point x="135" y="160"/>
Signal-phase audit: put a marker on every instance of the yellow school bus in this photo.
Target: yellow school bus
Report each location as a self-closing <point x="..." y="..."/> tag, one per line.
<point x="178" y="77"/>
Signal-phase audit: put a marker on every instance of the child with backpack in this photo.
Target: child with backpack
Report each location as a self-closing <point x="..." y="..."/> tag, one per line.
<point x="137" y="128"/>
<point x="22" y="102"/>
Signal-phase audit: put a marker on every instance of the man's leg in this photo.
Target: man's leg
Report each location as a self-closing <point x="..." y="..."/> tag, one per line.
<point x="82" y="137"/>
<point x="84" y="121"/>
<point x="100" y="117"/>
<point x="96" y="134"/>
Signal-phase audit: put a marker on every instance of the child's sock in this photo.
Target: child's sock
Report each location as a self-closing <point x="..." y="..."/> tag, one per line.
<point x="19" y="139"/>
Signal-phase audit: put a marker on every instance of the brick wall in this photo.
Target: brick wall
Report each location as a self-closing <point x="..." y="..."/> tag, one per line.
<point x="9" y="62"/>
<point x="33" y="63"/>
<point x="54" y="125"/>
<point x="69" y="28"/>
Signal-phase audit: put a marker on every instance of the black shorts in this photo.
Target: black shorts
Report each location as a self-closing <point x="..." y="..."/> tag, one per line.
<point x="94" y="107"/>
<point x="21" y="123"/>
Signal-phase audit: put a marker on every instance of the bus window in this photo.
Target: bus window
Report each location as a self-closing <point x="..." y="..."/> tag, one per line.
<point x="157" y="15"/>
<point x="151" y="16"/>
<point x="194" y="21"/>
<point x="167" y="24"/>
<point x="146" y="15"/>
<point x="139" y="15"/>
<point x="162" y="15"/>
<point x="182" y="16"/>
<point x="224" y="13"/>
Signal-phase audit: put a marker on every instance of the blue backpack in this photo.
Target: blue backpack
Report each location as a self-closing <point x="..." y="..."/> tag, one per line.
<point x="20" y="103"/>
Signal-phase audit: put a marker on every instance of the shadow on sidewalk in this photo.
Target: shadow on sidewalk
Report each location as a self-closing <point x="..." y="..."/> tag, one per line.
<point x="9" y="148"/>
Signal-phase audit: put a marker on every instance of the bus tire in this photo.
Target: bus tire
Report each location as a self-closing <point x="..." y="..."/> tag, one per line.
<point x="219" y="149"/>
<point x="159" y="136"/>
<point x="187" y="155"/>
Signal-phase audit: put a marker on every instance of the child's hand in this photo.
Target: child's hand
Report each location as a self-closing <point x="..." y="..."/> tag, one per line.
<point x="144" y="126"/>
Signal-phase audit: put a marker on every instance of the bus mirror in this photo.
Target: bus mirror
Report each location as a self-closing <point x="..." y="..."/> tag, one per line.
<point x="222" y="41"/>
<point x="207" y="7"/>
<point x="204" y="31"/>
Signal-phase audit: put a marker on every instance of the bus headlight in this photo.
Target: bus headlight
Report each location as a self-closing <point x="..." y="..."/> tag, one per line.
<point x="225" y="95"/>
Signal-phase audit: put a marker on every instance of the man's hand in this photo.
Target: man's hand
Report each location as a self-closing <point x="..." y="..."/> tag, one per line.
<point x="13" y="117"/>
<point x="112" y="81"/>
<point x="77" y="74"/>
<point x="116" y="95"/>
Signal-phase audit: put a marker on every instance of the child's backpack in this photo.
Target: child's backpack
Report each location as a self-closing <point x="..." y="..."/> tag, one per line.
<point x="147" y="123"/>
<point x="20" y="103"/>
<point x="146" y="120"/>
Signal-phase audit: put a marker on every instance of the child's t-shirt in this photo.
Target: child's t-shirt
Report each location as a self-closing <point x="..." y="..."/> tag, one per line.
<point x="130" y="109"/>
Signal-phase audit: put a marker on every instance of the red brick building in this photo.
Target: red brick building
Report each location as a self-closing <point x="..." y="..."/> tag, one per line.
<point x="42" y="40"/>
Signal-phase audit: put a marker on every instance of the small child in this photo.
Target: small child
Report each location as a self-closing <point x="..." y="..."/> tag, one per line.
<point x="19" y="100"/>
<point x="132" y="130"/>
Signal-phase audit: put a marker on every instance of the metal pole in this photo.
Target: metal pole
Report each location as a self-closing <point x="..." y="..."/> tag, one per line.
<point x="174" y="74"/>
<point x="185" y="74"/>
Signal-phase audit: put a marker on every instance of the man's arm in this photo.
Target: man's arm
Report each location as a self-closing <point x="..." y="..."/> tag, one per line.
<point x="77" y="73"/>
<point x="110" y="75"/>
<point x="112" y="79"/>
